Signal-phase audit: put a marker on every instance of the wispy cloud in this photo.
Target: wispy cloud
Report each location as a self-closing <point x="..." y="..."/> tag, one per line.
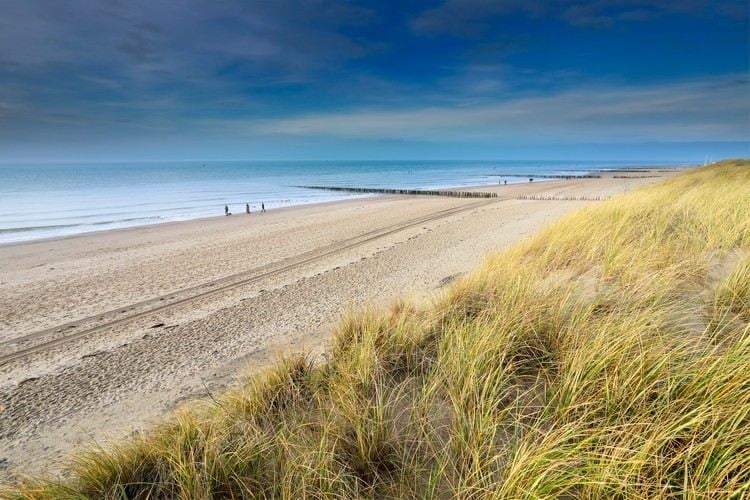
<point x="704" y="109"/>
<point x="156" y="61"/>
<point x="181" y="47"/>
<point x="472" y="18"/>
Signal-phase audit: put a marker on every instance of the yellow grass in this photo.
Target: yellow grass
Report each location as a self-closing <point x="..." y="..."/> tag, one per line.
<point x="608" y="357"/>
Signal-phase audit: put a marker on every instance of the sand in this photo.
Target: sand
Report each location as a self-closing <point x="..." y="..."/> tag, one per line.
<point x="124" y="326"/>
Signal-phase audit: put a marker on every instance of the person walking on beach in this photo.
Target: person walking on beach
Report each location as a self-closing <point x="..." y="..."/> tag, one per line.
<point x="226" y="210"/>
<point x="247" y="208"/>
<point x="262" y="207"/>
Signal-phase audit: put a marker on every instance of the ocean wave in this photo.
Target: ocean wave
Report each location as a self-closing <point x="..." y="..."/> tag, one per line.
<point x="52" y="227"/>
<point x="9" y="230"/>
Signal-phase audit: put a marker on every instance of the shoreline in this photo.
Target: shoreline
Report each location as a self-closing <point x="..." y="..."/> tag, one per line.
<point x="299" y="206"/>
<point x="282" y="281"/>
<point x="115" y="230"/>
<point x="543" y="178"/>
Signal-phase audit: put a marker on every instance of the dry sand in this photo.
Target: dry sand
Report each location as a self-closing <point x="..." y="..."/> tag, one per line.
<point x="288" y="275"/>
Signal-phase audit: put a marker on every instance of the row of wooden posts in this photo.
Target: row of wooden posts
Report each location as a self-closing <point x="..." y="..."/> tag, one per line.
<point x="550" y="176"/>
<point x="426" y="192"/>
<point x="561" y="198"/>
<point x="635" y="176"/>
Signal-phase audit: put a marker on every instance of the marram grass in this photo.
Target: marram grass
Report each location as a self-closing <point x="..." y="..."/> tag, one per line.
<point x="608" y="357"/>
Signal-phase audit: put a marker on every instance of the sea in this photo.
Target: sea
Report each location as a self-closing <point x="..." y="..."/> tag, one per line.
<point x="52" y="200"/>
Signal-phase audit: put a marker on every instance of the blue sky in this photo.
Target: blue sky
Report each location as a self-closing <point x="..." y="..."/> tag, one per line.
<point x="474" y="79"/>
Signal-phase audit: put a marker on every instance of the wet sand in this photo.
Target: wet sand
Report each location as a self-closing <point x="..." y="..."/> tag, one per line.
<point x="118" y="328"/>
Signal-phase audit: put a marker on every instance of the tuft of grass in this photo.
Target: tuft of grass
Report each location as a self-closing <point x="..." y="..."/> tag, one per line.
<point x="607" y="357"/>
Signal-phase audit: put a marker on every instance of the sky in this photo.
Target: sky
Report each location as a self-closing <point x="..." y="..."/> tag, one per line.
<point x="130" y="80"/>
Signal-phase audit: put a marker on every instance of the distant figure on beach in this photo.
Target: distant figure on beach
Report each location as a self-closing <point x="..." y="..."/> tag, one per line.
<point x="531" y="179"/>
<point x="505" y="182"/>
<point x="247" y="208"/>
<point x="226" y="210"/>
<point x="262" y="207"/>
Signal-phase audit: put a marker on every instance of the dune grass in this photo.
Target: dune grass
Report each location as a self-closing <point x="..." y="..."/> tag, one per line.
<point x="607" y="357"/>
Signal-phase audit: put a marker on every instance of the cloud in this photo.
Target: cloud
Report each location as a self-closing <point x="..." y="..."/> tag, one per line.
<point x="143" y="43"/>
<point x="139" y="45"/>
<point x="469" y="17"/>
<point x="703" y="109"/>
<point x="149" y="61"/>
<point x="473" y="18"/>
<point x="117" y="71"/>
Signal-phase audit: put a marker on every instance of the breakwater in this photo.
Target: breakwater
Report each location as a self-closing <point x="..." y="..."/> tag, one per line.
<point x="538" y="197"/>
<point x="423" y="192"/>
<point x="548" y="176"/>
<point x="635" y="176"/>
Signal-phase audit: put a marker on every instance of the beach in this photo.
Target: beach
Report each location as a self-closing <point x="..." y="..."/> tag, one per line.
<point x="103" y="333"/>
